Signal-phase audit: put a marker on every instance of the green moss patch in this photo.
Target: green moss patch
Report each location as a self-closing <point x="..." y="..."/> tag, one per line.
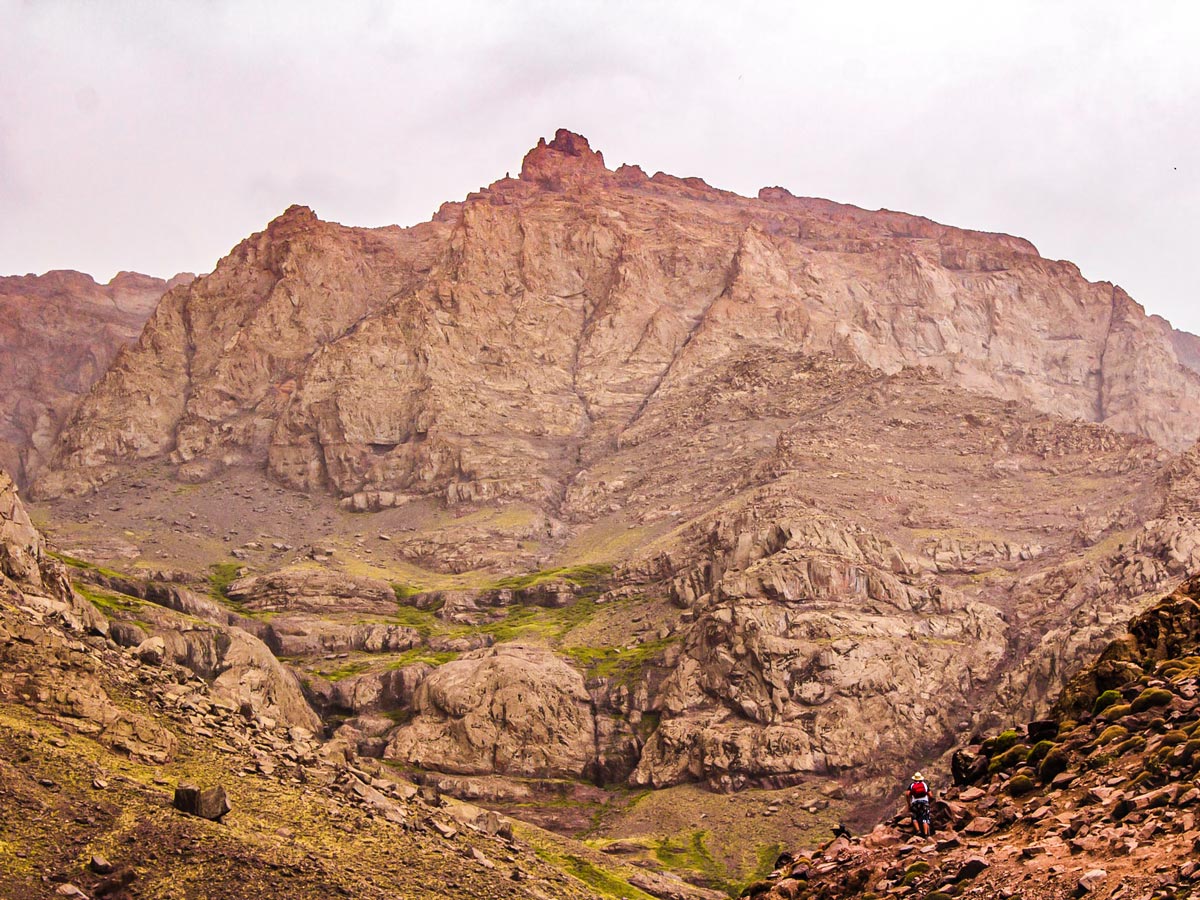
<point x="110" y="603"/>
<point x="422" y="655"/>
<point x="621" y="664"/>
<point x="1150" y="698"/>
<point x="593" y="876"/>
<point x="1019" y="785"/>
<point x="588" y="576"/>
<point x="1110" y="734"/>
<point x="83" y="564"/>
<point x="220" y="576"/>
<point x="1000" y="743"/>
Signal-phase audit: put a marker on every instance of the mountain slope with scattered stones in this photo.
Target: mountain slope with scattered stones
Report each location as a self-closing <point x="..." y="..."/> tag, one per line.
<point x="102" y="743"/>
<point x="599" y="483"/>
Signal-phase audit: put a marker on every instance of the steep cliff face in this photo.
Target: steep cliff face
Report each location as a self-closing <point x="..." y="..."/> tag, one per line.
<point x="58" y="334"/>
<point x="499" y="349"/>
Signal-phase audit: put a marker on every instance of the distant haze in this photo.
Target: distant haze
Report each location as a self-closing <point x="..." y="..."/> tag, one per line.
<point x="153" y="136"/>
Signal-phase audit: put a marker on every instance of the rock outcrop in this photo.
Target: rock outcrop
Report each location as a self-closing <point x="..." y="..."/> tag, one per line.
<point x="794" y="651"/>
<point x="508" y="711"/>
<point x="501" y="348"/>
<point x="58" y="334"/>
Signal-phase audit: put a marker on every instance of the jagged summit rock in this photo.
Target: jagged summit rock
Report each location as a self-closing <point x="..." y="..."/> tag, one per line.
<point x="568" y="156"/>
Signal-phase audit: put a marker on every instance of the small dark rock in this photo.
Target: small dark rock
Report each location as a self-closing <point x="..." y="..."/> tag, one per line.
<point x="207" y="804"/>
<point x="971" y="868"/>
<point x="113" y="887"/>
<point x="100" y="865"/>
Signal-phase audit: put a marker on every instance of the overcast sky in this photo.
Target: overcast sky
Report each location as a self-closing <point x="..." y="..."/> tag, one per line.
<point x="154" y="136"/>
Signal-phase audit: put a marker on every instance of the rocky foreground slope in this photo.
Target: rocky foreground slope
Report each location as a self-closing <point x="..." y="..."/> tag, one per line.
<point x="97" y="740"/>
<point x="58" y="334"/>
<point x="1099" y="800"/>
<point x="825" y="623"/>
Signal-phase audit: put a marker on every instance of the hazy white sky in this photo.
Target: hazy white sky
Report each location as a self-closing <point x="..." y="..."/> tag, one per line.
<point x="154" y="135"/>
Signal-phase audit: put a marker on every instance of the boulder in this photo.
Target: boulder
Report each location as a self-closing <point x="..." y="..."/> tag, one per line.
<point x="207" y="803"/>
<point x="507" y="710"/>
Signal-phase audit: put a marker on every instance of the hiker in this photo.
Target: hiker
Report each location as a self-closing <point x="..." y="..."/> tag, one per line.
<point x="918" y="805"/>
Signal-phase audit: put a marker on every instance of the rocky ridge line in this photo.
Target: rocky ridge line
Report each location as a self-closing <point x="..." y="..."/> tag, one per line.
<point x="500" y="349"/>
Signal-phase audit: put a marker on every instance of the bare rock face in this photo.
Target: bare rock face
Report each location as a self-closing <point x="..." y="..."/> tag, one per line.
<point x="58" y="334"/>
<point x="814" y="629"/>
<point x="178" y="627"/>
<point x="495" y="351"/>
<point x="507" y="710"/>
<point x="30" y="574"/>
<point x="322" y="590"/>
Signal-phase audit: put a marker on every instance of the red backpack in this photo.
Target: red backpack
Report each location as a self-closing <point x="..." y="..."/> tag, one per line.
<point x="918" y="789"/>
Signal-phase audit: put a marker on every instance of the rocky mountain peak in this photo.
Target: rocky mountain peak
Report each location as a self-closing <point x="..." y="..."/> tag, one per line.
<point x="296" y="217"/>
<point x="569" y="156"/>
<point x="593" y="311"/>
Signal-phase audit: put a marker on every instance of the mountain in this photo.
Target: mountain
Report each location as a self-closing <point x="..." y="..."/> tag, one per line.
<point x="58" y="334"/>
<point x="513" y="342"/>
<point x="634" y="508"/>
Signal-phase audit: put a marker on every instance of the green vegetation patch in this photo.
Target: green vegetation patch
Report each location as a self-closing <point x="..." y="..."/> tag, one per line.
<point x="83" y="564"/>
<point x="1000" y="743"/>
<point x="418" y="655"/>
<point x="404" y="592"/>
<point x="688" y="852"/>
<point x="593" y="876"/>
<point x="1151" y="697"/>
<point x="1039" y="751"/>
<point x="588" y="576"/>
<point x="1131" y="744"/>
<point x="1013" y="756"/>
<point x="220" y="576"/>
<point x="345" y="670"/>
<point x="1117" y="711"/>
<point x="108" y="602"/>
<point x="1174" y="737"/>
<point x="1110" y="734"/>
<point x="914" y="872"/>
<point x="421" y="620"/>
<point x="621" y="664"/>
<point x="1019" y="785"/>
<point x="538" y="622"/>
<point x="1104" y="701"/>
<point x="1054" y="764"/>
